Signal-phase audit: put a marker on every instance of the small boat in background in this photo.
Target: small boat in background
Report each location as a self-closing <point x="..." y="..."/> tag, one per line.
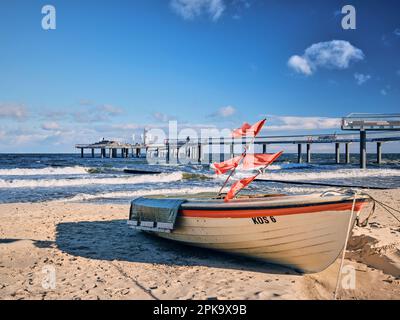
<point x="137" y="171"/>
<point x="304" y="232"/>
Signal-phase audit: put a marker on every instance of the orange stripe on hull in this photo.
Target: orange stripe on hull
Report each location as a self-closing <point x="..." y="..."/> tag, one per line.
<point x="251" y="213"/>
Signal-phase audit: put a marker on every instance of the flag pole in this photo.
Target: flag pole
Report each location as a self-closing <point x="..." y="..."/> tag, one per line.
<point x="259" y="172"/>
<point x="234" y="169"/>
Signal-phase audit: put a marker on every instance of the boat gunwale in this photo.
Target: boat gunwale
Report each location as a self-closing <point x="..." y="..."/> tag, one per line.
<point x="187" y="206"/>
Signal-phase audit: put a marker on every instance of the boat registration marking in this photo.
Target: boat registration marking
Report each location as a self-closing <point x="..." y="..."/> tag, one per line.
<point x="264" y="220"/>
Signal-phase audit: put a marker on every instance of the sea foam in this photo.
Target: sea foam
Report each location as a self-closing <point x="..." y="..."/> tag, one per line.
<point x="126" y="180"/>
<point x="44" y="171"/>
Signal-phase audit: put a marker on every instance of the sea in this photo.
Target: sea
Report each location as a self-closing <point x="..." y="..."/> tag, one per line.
<point x="68" y="177"/>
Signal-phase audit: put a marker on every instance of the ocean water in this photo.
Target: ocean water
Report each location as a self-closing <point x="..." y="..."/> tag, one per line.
<point x="67" y="177"/>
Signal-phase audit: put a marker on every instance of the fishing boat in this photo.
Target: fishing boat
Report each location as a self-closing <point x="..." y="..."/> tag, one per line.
<point x="304" y="232"/>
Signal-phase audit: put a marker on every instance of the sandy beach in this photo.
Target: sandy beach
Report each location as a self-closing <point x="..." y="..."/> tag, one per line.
<point x="94" y="255"/>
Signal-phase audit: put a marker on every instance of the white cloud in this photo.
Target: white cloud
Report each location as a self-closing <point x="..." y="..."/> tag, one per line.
<point x="361" y="78"/>
<point x="277" y="123"/>
<point x="99" y="113"/>
<point x="384" y="92"/>
<point x="159" y="116"/>
<point x="335" y="54"/>
<point x="396" y="32"/>
<point x="109" y="109"/>
<point x="13" y="111"/>
<point x="51" y="126"/>
<point x="223" y="112"/>
<point x="227" y="111"/>
<point x="2" y="135"/>
<point x="190" y="9"/>
<point x="300" y="65"/>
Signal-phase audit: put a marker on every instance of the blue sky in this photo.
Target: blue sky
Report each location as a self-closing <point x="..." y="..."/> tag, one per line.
<point x="112" y="68"/>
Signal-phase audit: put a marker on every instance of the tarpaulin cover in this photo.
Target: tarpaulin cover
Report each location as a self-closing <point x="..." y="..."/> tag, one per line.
<point x="162" y="211"/>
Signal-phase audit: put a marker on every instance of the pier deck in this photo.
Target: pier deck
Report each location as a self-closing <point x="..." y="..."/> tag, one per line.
<point x="381" y="129"/>
<point x="197" y="149"/>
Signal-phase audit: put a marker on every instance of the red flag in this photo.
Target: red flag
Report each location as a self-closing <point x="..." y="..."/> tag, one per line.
<point x="256" y="160"/>
<point x="241" y="131"/>
<point x="222" y="167"/>
<point x="237" y="186"/>
<point x="248" y="130"/>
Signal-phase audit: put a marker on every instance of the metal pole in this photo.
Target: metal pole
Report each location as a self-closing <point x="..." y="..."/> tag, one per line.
<point x="299" y="159"/>
<point x="337" y="152"/>
<point x="363" y="149"/>
<point x="308" y="152"/>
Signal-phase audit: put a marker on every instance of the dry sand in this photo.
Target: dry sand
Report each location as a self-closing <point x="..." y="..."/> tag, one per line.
<point x="96" y="256"/>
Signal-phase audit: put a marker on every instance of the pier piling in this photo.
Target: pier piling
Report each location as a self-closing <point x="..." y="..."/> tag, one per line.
<point x="337" y="152"/>
<point x="379" y="152"/>
<point x="168" y="150"/>
<point x="199" y="152"/>
<point x="299" y="158"/>
<point x="363" y="149"/>
<point x="308" y="153"/>
<point x="222" y="150"/>
<point x="347" y="153"/>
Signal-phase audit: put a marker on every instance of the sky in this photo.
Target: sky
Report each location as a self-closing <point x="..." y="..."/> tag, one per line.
<point x="113" y="68"/>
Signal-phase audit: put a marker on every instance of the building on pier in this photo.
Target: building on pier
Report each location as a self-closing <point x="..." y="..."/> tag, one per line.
<point x="112" y="148"/>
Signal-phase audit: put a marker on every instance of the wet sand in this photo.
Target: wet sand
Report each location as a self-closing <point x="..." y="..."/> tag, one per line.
<point x="63" y="250"/>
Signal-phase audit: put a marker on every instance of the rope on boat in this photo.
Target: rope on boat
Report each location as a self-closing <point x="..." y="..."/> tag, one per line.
<point x="383" y="205"/>
<point x="339" y="277"/>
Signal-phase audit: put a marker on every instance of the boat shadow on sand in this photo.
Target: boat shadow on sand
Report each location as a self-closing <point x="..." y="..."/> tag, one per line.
<point x="114" y="240"/>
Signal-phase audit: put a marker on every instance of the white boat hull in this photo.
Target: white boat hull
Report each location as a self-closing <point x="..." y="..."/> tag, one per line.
<point x="305" y="237"/>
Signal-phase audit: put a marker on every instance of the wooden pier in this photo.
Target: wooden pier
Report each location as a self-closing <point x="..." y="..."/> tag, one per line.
<point x="112" y="147"/>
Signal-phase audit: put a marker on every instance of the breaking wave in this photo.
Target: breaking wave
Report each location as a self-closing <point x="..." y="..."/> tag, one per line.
<point x="46" y="183"/>
<point x="44" y="171"/>
<point x="326" y="175"/>
<point x="140" y="193"/>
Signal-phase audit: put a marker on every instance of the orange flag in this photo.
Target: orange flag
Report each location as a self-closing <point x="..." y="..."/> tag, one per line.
<point x="222" y="167"/>
<point x="256" y="160"/>
<point x="248" y="130"/>
<point x="237" y="186"/>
